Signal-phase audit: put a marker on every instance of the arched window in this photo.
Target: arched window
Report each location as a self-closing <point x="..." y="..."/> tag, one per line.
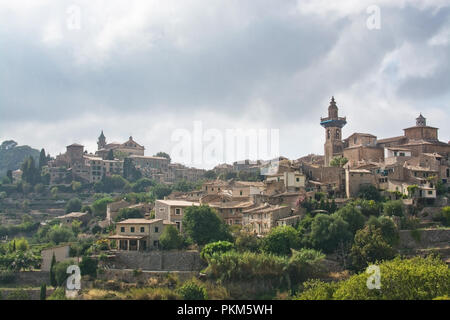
<point x="338" y="134"/>
<point x="328" y="133"/>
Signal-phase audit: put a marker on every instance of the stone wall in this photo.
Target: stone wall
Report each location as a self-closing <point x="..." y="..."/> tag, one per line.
<point x="30" y="293"/>
<point x="130" y="276"/>
<point x="428" y="238"/>
<point x="157" y="260"/>
<point x="31" y="278"/>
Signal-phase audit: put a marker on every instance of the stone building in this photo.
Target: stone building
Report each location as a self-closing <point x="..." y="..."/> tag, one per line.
<point x="172" y="211"/>
<point x="139" y="234"/>
<point x="261" y="219"/>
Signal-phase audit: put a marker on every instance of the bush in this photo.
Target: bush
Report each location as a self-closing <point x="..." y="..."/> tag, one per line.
<point x="246" y="241"/>
<point x="352" y="216"/>
<point x="99" y="206"/>
<point x="236" y="266"/>
<point x="128" y="213"/>
<point x="281" y="240"/>
<point x="393" y="208"/>
<point x="412" y="279"/>
<point x="370" y="247"/>
<point x="317" y="290"/>
<point x="203" y="225"/>
<point x="18" y="294"/>
<point x="88" y="266"/>
<point x="369" y="192"/>
<point x="58" y="294"/>
<point x="74" y="205"/>
<point x="7" y="276"/>
<point x="216" y="247"/>
<point x="171" y="238"/>
<point x="60" y="269"/>
<point x="192" y="290"/>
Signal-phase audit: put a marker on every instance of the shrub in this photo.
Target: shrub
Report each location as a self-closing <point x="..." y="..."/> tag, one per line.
<point x="18" y="294"/>
<point x="192" y="290"/>
<point x="171" y="238"/>
<point x="61" y="274"/>
<point x="216" y="247"/>
<point x="401" y="279"/>
<point x="7" y="276"/>
<point x="203" y="225"/>
<point x="393" y="208"/>
<point x="74" y="205"/>
<point x="43" y="293"/>
<point x="236" y="266"/>
<point x="58" y="294"/>
<point x="246" y="241"/>
<point x="88" y="266"/>
<point x="369" y="247"/>
<point x="281" y="240"/>
<point x="317" y="290"/>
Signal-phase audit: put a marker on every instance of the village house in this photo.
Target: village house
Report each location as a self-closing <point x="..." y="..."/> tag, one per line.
<point x="172" y="211"/>
<point x="261" y="219"/>
<point x="67" y="219"/>
<point x="138" y="234"/>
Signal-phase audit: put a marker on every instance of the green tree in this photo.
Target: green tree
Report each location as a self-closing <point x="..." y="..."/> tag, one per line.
<point x="163" y="155"/>
<point x="327" y="231"/>
<point x="73" y="205"/>
<point x="352" y="216"/>
<point x="42" y="159"/>
<point x="338" y="162"/>
<point x="401" y="279"/>
<point x="216" y="247"/>
<point x="246" y="241"/>
<point x="9" y="175"/>
<point x="43" y="293"/>
<point x="171" y="238"/>
<point x="193" y="290"/>
<point x="393" y="208"/>
<point x="110" y="155"/>
<point x="128" y="213"/>
<point x="88" y="266"/>
<point x="369" y="192"/>
<point x="30" y="173"/>
<point x="76" y="186"/>
<point x="203" y="225"/>
<point x="142" y="185"/>
<point x="52" y="271"/>
<point x="369" y="247"/>
<point x="61" y="274"/>
<point x="281" y="240"/>
<point x="58" y="234"/>
<point x="99" y="206"/>
<point x="161" y="190"/>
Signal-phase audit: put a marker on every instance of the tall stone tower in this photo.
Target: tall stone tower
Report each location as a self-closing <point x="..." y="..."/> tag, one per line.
<point x="101" y="143"/>
<point x="333" y="124"/>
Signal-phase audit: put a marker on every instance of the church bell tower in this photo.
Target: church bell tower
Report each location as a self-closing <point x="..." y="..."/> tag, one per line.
<point x="333" y="124"/>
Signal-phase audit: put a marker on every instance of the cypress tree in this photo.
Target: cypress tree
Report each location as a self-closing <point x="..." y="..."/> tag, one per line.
<point x="52" y="271"/>
<point x="43" y="294"/>
<point x="42" y="159"/>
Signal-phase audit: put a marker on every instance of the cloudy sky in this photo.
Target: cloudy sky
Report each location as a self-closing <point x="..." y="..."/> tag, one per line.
<point x="69" y="69"/>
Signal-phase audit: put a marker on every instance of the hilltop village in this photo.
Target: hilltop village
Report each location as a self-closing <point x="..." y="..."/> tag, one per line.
<point x="132" y="221"/>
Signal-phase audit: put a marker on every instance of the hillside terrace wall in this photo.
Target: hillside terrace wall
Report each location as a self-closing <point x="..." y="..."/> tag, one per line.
<point x="157" y="261"/>
<point x="428" y="238"/>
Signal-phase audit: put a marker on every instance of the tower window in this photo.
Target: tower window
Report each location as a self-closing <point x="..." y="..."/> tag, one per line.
<point x="328" y="132"/>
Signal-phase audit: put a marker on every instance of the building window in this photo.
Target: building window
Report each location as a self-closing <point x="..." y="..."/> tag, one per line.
<point x="122" y="229"/>
<point x="156" y="230"/>
<point x="178" y="223"/>
<point x="156" y="243"/>
<point x="142" y="229"/>
<point x="430" y="192"/>
<point x="240" y="192"/>
<point x="298" y="179"/>
<point x="132" y="229"/>
<point x="178" y="211"/>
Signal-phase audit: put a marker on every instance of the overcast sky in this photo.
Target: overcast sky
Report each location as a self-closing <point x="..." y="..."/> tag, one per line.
<point x="69" y="69"/>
